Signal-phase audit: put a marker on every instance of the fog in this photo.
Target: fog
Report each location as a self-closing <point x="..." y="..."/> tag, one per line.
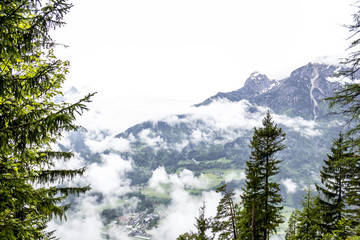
<point x="107" y="177"/>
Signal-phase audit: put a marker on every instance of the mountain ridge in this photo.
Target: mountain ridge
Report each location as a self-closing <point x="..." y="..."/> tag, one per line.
<point x="306" y="86"/>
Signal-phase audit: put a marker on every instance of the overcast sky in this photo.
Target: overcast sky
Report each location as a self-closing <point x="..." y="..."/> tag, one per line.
<point x="151" y="58"/>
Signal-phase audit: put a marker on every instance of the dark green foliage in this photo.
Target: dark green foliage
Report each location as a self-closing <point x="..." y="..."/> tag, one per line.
<point x="344" y="231"/>
<point x="334" y="178"/>
<point x="308" y="218"/>
<point x="353" y="60"/>
<point x="30" y="120"/>
<point x="203" y="225"/>
<point x="261" y="211"/>
<point x="187" y="236"/>
<point x="291" y="231"/>
<point x="225" y="220"/>
<point x="353" y="190"/>
<point x="304" y="223"/>
<point x="347" y="102"/>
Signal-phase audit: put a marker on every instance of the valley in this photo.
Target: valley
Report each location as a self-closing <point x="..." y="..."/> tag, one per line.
<point x="196" y="153"/>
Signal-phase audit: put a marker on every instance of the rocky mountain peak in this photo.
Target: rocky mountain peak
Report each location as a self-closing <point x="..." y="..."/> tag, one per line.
<point x="301" y="94"/>
<point x="311" y="70"/>
<point x="256" y="78"/>
<point x="256" y="84"/>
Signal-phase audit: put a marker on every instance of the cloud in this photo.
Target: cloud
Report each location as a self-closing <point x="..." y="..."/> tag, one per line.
<point x="181" y="145"/>
<point x="158" y="178"/>
<point x="225" y="115"/>
<point x="184" y="207"/>
<point x="152" y="140"/>
<point x="185" y="179"/>
<point x="307" y="128"/>
<point x="85" y="223"/>
<point x="231" y="120"/>
<point x="180" y="214"/>
<point x="234" y="176"/>
<point x="199" y="135"/>
<point x="108" y="143"/>
<point x="107" y="178"/>
<point x="290" y="185"/>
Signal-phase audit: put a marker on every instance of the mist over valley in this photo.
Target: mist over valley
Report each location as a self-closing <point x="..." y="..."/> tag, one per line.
<point x="159" y="172"/>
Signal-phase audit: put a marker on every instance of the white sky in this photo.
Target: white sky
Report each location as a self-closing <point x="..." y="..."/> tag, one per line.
<point x="151" y="58"/>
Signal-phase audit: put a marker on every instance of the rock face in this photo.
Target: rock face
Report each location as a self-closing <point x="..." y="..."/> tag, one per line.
<point x="302" y="94"/>
<point x="255" y="85"/>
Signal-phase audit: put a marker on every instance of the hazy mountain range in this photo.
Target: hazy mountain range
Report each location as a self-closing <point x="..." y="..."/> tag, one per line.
<point x="221" y="126"/>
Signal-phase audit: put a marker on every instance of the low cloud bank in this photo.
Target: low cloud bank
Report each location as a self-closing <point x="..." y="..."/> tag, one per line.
<point x="291" y="186"/>
<point x="179" y="216"/>
<point x="108" y="177"/>
<point x="220" y="122"/>
<point x="185" y="179"/>
<point x="181" y="213"/>
<point x="108" y="182"/>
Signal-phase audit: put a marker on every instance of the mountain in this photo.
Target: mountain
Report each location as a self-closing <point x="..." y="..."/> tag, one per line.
<point x="211" y="144"/>
<point x="299" y="95"/>
<point x="217" y="134"/>
<point x="255" y="85"/>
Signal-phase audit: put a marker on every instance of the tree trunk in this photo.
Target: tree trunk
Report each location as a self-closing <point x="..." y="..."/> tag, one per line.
<point x="232" y="212"/>
<point x="266" y="194"/>
<point x="253" y="223"/>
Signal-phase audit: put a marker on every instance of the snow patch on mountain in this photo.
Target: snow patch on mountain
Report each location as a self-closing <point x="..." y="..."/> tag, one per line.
<point x="274" y="84"/>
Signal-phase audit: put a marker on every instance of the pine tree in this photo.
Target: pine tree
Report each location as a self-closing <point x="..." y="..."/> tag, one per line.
<point x="291" y="231"/>
<point x="202" y="225"/>
<point x="30" y="120"/>
<point x="187" y="236"/>
<point x="347" y="103"/>
<point x="353" y="191"/>
<point x="334" y="179"/>
<point x="343" y="231"/>
<point x="308" y="218"/>
<point x="261" y="211"/>
<point x="225" y="220"/>
<point x="250" y="214"/>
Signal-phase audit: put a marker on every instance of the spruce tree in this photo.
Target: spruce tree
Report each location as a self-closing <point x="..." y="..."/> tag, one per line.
<point x="353" y="191"/>
<point x="30" y="121"/>
<point x="250" y="219"/>
<point x="334" y="178"/>
<point x="307" y="227"/>
<point x="203" y="225"/>
<point x="347" y="103"/>
<point x="261" y="199"/>
<point x="224" y="222"/>
<point x="291" y="231"/>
